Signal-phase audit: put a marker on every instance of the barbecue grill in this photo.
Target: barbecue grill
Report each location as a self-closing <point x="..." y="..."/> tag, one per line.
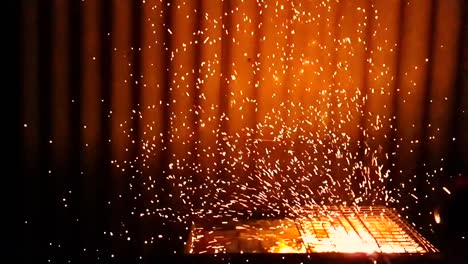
<point x="334" y="229"/>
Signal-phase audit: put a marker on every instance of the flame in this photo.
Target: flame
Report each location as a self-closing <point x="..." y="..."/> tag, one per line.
<point x="284" y="248"/>
<point x="340" y="240"/>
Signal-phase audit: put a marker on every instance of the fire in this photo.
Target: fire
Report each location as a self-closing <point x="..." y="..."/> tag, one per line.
<point x="284" y="248"/>
<point x="341" y="241"/>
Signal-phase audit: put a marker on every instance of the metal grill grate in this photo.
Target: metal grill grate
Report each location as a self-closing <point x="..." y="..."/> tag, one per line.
<point x="318" y="229"/>
<point x="364" y="229"/>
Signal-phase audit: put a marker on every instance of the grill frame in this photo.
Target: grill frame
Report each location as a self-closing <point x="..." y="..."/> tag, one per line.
<point x="416" y="244"/>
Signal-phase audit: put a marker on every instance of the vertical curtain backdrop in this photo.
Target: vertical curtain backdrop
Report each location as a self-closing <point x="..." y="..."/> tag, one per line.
<point x="137" y="111"/>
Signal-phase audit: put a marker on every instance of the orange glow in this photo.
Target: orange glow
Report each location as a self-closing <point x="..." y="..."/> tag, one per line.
<point x="340" y="241"/>
<point x="283" y="248"/>
<point x="437" y="218"/>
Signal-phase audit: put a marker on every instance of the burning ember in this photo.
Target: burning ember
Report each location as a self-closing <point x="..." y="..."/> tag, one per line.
<point x="318" y="230"/>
